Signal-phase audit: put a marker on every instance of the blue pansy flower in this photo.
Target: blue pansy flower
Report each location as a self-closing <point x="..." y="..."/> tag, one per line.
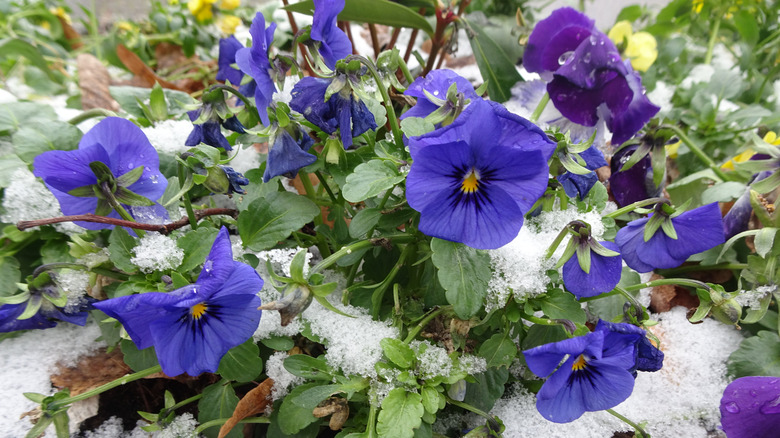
<point x="227" y="57"/>
<point x="120" y="146"/>
<point x="648" y="356"/>
<point x="288" y="153"/>
<point x="436" y="84"/>
<point x="48" y="305"/>
<point x="603" y="274"/>
<point x="236" y="179"/>
<point x="579" y="185"/>
<point x="586" y="373"/>
<point x="475" y="188"/>
<point x="343" y="110"/>
<point x="589" y="80"/>
<point x="254" y="62"/>
<point x="192" y="327"/>
<point x="334" y="43"/>
<point x="210" y="132"/>
<point x="749" y="407"/>
<point x="670" y="245"/>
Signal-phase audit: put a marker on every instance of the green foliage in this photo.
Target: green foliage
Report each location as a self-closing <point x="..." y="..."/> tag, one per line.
<point x="273" y="218"/>
<point x="219" y="401"/>
<point x="757" y="356"/>
<point x="401" y="413"/>
<point x="464" y="273"/>
<point x="241" y="363"/>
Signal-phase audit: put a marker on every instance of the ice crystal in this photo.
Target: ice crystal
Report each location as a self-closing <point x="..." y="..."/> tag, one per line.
<point x="168" y="136"/>
<point x="283" y="379"/>
<point x="26" y="198"/>
<point x="156" y="252"/>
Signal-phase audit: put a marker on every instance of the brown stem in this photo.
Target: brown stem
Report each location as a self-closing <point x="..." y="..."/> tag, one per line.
<point x="412" y="39"/>
<point x="462" y="6"/>
<point x="160" y="228"/>
<point x="394" y="38"/>
<point x="374" y="39"/>
<point x="437" y="42"/>
<point x="301" y="47"/>
<point x="348" y="29"/>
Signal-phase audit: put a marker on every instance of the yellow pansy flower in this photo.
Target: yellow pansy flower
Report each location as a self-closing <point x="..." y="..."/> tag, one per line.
<point x="230" y="4"/>
<point x="697" y="5"/>
<point x="671" y="150"/>
<point x="201" y="9"/>
<point x="641" y="47"/>
<point x="125" y="26"/>
<point x="60" y="12"/>
<point x="770" y="137"/>
<point x="228" y="23"/>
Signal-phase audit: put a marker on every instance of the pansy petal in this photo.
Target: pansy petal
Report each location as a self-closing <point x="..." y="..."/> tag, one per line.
<point x="604" y="274"/>
<point x="308" y="98"/>
<point x="626" y="122"/>
<point x="750" y="407"/>
<point x="67" y="170"/>
<point x="430" y="175"/>
<point x="362" y="117"/>
<point x="544" y="359"/>
<point x="522" y="174"/>
<point x="561" y="32"/>
<point x="521" y="133"/>
<point x="218" y="265"/>
<point x="227" y="57"/>
<point x="698" y="230"/>
<point x="286" y="157"/>
<point x="242" y="280"/>
<point x="335" y="44"/>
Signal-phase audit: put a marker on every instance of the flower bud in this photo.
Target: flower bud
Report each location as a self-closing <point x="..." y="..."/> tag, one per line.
<point x="295" y="299"/>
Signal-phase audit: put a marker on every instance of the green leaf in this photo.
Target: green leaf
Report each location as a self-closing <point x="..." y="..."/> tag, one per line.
<point x="120" y="246"/>
<point x="629" y="13"/>
<point x="292" y="417"/>
<point x="11" y="48"/>
<point x="278" y="343"/>
<point x="36" y="137"/>
<point x="219" y="401"/>
<point x="14" y="115"/>
<point x="464" y="273"/>
<point x="8" y="165"/>
<point x="539" y="334"/>
<point x="371" y="179"/>
<point x="494" y="65"/>
<point x="398" y="352"/>
<point x="9" y="276"/>
<point x="157" y="106"/>
<point x="308" y="367"/>
<point x="498" y="351"/>
<point x="561" y="305"/>
<point x="401" y="413"/>
<point x="765" y="241"/>
<point x="756" y="356"/>
<point x="746" y="24"/>
<point x="268" y="220"/>
<point x="364" y="220"/>
<point x="488" y="388"/>
<point x="723" y="192"/>
<point x="414" y="126"/>
<point x="241" y="363"/>
<point x="196" y="245"/>
<point x="372" y="11"/>
<point x="430" y="399"/>
<point x="177" y="102"/>
<point x="138" y="359"/>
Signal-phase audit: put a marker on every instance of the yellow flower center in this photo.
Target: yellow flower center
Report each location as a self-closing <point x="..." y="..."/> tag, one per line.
<point x="579" y="364"/>
<point x="198" y="310"/>
<point x="470" y="183"/>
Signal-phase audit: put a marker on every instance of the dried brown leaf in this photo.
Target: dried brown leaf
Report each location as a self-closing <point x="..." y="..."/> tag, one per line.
<point x="94" y="80"/>
<point x="254" y="402"/>
<point x="137" y="66"/>
<point x="91" y="372"/>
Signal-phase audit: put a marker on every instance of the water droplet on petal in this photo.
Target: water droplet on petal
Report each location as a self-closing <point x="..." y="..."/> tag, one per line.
<point x="565" y="57"/>
<point x="593" y="40"/>
<point x="753" y="393"/>
<point x="771" y="407"/>
<point x="436" y="92"/>
<point x="732" y="407"/>
<point x="208" y="266"/>
<point x="586" y="58"/>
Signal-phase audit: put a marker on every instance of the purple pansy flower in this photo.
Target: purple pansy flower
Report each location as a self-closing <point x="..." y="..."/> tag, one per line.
<point x="750" y="407"/>
<point x="192" y="327"/>
<point x="120" y="146"/>
<point x="343" y="110"/>
<point x="473" y="188"/>
<point x="738" y="217"/>
<point x="603" y="274"/>
<point x="589" y="81"/>
<point x="437" y="83"/>
<point x="288" y="154"/>
<point x="595" y="375"/>
<point x="254" y="62"/>
<point x="635" y="184"/>
<point x="579" y="185"/>
<point x="227" y="57"/>
<point x="648" y="356"/>
<point x="696" y="230"/>
<point x="334" y="43"/>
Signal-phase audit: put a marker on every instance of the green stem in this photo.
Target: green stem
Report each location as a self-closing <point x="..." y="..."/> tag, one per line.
<point x="697" y="268"/>
<point x="640" y="433"/>
<point x="629" y="208"/>
<point x="537" y="320"/>
<point x="123" y="213"/>
<point x="493" y="423"/>
<point x="236" y="93"/>
<point x="697" y="151"/>
<point x="58" y="265"/>
<point x="397" y="133"/>
<point x="184" y="402"/>
<point x="221" y="421"/>
<point x="371" y="423"/>
<point x="357" y="246"/>
<point x="713" y="39"/>
<point x="404" y="68"/>
<point x="103" y="388"/>
<point x="421" y="325"/>
<point x="187" y="203"/>
<point x="379" y="292"/>
<point x="326" y="187"/>
<point x="540" y="107"/>
<point x="669" y="281"/>
<point x="310" y="193"/>
<point x="92" y="113"/>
